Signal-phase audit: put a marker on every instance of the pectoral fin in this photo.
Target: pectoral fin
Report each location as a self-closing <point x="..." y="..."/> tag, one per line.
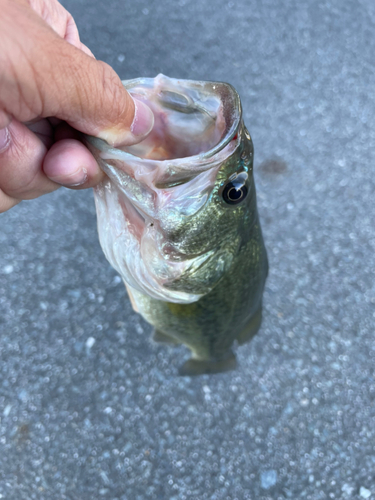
<point x="159" y="336"/>
<point x="194" y="367"/>
<point x="251" y="328"/>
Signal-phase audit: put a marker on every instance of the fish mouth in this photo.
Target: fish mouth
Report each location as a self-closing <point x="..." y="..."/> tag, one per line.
<point x="165" y="179"/>
<point x="209" y="109"/>
<point x="191" y="129"/>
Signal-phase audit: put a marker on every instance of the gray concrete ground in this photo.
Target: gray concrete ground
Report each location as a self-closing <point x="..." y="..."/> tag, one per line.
<point x="90" y="408"/>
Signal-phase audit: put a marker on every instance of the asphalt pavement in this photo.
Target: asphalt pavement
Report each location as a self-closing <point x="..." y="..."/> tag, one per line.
<point x="90" y="407"/>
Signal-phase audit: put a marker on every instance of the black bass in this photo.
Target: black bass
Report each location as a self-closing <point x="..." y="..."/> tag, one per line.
<point x="177" y="218"/>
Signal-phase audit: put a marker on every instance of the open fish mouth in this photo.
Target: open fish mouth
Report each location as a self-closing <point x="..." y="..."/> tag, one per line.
<point x="163" y="183"/>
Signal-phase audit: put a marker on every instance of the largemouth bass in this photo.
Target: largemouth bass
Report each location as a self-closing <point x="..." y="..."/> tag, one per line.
<point x="177" y="218"/>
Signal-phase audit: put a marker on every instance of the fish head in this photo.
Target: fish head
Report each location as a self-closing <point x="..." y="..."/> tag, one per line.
<point x="175" y="209"/>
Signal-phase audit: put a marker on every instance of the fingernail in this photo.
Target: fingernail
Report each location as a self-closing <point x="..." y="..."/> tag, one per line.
<point x="143" y="119"/>
<point x="77" y="178"/>
<point x="142" y="125"/>
<point x="4" y="138"/>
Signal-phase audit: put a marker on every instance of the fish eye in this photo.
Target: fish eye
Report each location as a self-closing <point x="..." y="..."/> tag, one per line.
<point x="234" y="192"/>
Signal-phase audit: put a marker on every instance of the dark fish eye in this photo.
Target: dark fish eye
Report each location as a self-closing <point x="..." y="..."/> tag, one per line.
<point x="234" y="192"/>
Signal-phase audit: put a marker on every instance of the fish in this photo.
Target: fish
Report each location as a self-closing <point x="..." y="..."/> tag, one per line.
<point x="177" y="219"/>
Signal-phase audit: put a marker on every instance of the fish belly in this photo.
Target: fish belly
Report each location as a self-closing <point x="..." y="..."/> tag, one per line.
<point x="209" y="326"/>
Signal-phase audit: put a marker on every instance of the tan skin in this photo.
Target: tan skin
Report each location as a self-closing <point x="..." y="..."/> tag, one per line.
<point x="51" y="86"/>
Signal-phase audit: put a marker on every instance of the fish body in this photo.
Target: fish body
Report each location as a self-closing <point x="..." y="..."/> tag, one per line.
<point x="177" y="218"/>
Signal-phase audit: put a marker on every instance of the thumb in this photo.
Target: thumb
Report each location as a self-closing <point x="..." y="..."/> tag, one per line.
<point x="93" y="100"/>
<point x="43" y="75"/>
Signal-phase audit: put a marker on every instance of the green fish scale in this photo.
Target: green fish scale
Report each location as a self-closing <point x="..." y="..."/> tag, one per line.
<point x="211" y="325"/>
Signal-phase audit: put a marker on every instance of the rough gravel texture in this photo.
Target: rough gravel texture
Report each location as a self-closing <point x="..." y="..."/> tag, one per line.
<point x="90" y="408"/>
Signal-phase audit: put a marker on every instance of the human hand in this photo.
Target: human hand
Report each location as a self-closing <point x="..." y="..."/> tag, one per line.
<point x="50" y="87"/>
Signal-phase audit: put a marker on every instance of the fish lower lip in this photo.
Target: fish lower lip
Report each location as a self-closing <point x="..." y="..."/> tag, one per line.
<point x="136" y="218"/>
<point x="140" y="213"/>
